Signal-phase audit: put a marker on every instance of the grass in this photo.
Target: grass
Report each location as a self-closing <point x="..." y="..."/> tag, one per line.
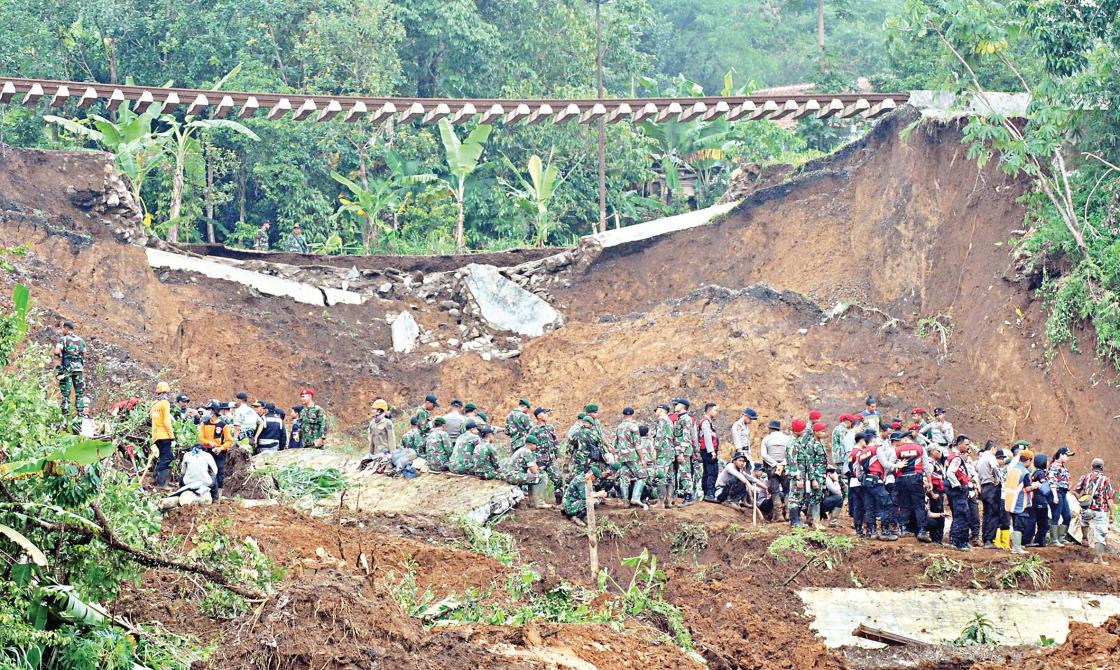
<point x="485" y="540"/>
<point x="940" y="326"/>
<point x="810" y="543"/>
<point x="296" y="481"/>
<point x="1030" y="567"/>
<point x="609" y="530"/>
<point x="941" y="568"/>
<point x="690" y="538"/>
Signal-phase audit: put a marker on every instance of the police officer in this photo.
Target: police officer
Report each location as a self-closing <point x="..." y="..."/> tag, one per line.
<point x="910" y="484"/>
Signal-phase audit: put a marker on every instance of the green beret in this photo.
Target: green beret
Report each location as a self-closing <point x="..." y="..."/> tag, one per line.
<point x="482" y="415"/>
<point x="591" y="408"/>
<point x="1022" y="443"/>
<point x="532" y="439"/>
<point x="524" y="403"/>
<point x="595" y="471"/>
<point x="469" y="406"/>
<point x="439" y="421"/>
<point x="582" y="417"/>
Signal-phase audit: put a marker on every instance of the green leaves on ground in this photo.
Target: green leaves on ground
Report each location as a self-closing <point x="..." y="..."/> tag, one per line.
<point x="296" y="481"/>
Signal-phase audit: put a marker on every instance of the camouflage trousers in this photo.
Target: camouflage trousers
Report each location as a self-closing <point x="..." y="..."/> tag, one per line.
<point x="553" y="473"/>
<point x="72" y="380"/>
<point x="686" y="477"/>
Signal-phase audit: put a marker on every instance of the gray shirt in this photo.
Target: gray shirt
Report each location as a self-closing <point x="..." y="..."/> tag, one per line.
<point x="774" y="447"/>
<point x="887" y="456"/>
<point x="987" y="468"/>
<point x="454" y="426"/>
<point x="741" y="436"/>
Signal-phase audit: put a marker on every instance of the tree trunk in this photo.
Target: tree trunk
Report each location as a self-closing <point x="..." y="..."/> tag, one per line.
<point x="820" y="33"/>
<point x="602" y="121"/>
<point x="177" y="186"/>
<point x="243" y="187"/>
<point x="209" y="196"/>
<point x="460" y="233"/>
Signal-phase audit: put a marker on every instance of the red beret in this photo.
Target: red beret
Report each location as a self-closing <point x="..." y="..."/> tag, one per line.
<point x="818" y="427"/>
<point x="896" y="424"/>
<point x="844" y="417"/>
<point x="914" y="427"/>
<point x="815" y="415"/>
<point x="307" y="392"/>
<point x="798" y="425"/>
<point x="917" y="410"/>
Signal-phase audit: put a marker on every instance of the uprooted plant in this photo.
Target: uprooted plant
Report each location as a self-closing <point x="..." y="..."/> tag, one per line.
<point x="1030" y="567"/>
<point x="690" y="538"/>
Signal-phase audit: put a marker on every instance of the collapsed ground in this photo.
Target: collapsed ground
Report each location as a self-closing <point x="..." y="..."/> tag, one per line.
<point x="833" y="281"/>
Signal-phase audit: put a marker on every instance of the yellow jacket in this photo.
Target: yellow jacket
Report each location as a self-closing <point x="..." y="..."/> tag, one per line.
<point x="216" y="436"/>
<point x="162" y="428"/>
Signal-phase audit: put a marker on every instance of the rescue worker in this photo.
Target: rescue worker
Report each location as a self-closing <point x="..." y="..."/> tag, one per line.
<point x="631" y="462"/>
<point x="991" y="487"/>
<point x="454" y="420"/>
<point x="775" y="452"/>
<point x="813" y="465"/>
<point x="1096" y="495"/>
<point x="665" y="448"/>
<point x="1060" y="513"/>
<point x="71" y="352"/>
<point x="574" y="503"/>
<point x="313" y="421"/>
<point x="741" y="433"/>
<point x="380" y="432"/>
<point x="870" y="415"/>
<point x="1040" y="504"/>
<point x="1018" y="493"/>
<point x="413" y="439"/>
<point x="936" y="493"/>
<point x="958" y="488"/>
<point x="737" y="484"/>
<point x="245" y="417"/>
<point x="548" y="451"/>
<point x="199" y="471"/>
<point x="217" y="436"/>
<point x="796" y="499"/>
<point x="485" y="462"/>
<point x="708" y="443"/>
<point x="518" y="424"/>
<point x="462" y="454"/>
<point x="261" y="242"/>
<point x="270" y="435"/>
<point x="424" y="418"/>
<point x="522" y="470"/>
<point x="684" y="436"/>
<point x="163" y="433"/>
<point x="587" y="447"/>
<point x="911" y="483"/>
<point x="438" y="446"/>
<point x="296" y="244"/>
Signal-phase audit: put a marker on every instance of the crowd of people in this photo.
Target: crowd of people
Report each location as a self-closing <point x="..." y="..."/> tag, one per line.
<point x="914" y="477"/>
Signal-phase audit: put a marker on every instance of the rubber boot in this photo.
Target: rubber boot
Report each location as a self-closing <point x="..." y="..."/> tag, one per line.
<point x="795" y="517"/>
<point x="1001" y="540"/>
<point x="537" y="493"/>
<point x="815" y="515"/>
<point x="636" y="494"/>
<point x="1017" y="543"/>
<point x="1098" y="554"/>
<point x="1060" y="534"/>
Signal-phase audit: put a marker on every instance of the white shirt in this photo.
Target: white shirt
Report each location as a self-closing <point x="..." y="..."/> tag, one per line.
<point x="741" y="436"/>
<point x="198" y="470"/>
<point x="246" y="418"/>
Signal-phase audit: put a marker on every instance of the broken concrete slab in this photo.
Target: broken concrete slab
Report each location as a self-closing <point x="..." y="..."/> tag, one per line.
<point x="405" y="333"/>
<point x="435" y="494"/>
<point x="949" y="105"/>
<point x="267" y="284"/>
<point x="506" y="306"/>
<point x="936" y="616"/>
<point x="663" y="226"/>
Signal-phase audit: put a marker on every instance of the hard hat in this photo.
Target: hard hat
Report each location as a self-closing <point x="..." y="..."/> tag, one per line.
<point x="163" y="387"/>
<point x="381" y="405"/>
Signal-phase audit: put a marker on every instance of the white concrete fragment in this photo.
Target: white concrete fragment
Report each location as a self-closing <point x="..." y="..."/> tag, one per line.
<point x="947" y="105"/>
<point x="937" y="616"/>
<point x="405" y="333"/>
<point x="267" y="284"/>
<point x="663" y="226"/>
<point x="506" y="306"/>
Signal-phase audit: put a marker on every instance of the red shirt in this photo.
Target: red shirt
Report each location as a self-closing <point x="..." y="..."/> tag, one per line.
<point x="914" y="454"/>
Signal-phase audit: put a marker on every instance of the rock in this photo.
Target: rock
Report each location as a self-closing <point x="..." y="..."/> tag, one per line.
<point x="448" y="304"/>
<point x="486" y="356"/>
<point x="117" y="295"/>
<point x="385" y="287"/>
<point x="554" y="263"/>
<point x="506" y="306"/>
<point x="405" y="333"/>
<point x="453" y="312"/>
<point x="378" y="352"/>
<point x="353" y="273"/>
<point x="453" y="343"/>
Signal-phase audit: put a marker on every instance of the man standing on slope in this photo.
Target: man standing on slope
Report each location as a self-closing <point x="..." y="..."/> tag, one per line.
<point x="313" y="421"/>
<point x="775" y="447"/>
<point x="684" y="436"/>
<point x="518" y="424"/>
<point x="163" y="432"/>
<point x="741" y="434"/>
<point x="1095" y="492"/>
<point x="71" y="352"/>
<point x="709" y="451"/>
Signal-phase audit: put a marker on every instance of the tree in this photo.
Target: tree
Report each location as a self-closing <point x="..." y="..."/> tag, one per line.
<point x="379" y="194"/>
<point x="462" y="160"/>
<point x="534" y="194"/>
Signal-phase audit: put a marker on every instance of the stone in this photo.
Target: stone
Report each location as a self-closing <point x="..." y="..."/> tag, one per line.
<point x="506" y="306"/>
<point x="385" y="287"/>
<point x="405" y="333"/>
<point x="453" y="312"/>
<point x="448" y="304"/>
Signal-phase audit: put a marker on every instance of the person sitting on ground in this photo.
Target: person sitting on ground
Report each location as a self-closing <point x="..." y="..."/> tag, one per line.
<point x="438" y="447"/>
<point x="199" y="471"/>
<point x="462" y="454"/>
<point x="736" y="484"/>
<point x="486" y="465"/>
<point x="522" y="470"/>
<point x="834" y="496"/>
<point x="379" y="433"/>
<point x="574" y="504"/>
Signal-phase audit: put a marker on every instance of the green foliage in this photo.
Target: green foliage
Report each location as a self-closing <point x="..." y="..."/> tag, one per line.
<point x="608" y="530"/>
<point x="238" y="558"/>
<point x="1044" y="641"/>
<point x="690" y="538"/>
<point x="296" y="481"/>
<point x="810" y="543"/>
<point x="939" y="326"/>
<point x="979" y="631"/>
<point x="486" y="541"/>
<point x="219" y="603"/>
<point x="941" y="568"/>
<point x="1030" y="567"/>
<point x="643" y="598"/>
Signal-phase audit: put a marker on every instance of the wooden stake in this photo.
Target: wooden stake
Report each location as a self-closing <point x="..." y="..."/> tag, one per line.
<point x="592" y="528"/>
<point x="754" y="508"/>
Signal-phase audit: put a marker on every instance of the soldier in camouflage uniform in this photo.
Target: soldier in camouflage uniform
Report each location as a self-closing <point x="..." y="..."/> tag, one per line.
<point x="313" y="421"/>
<point x="666" y="454"/>
<point x="71" y="352"/>
<point x="548" y="454"/>
<point x="587" y="448"/>
<point x="261" y="243"/>
<point x="648" y="455"/>
<point x="592" y="412"/>
<point x="812" y="462"/>
<point x="486" y="464"/>
<point x="413" y="439"/>
<point x="796" y="498"/>
<point x="840" y="450"/>
<point x="518" y="425"/>
<point x="424" y="419"/>
<point x="522" y="469"/>
<point x="438" y="446"/>
<point x="684" y="437"/>
<point x="462" y="455"/>
<point x="633" y="463"/>
<point x="574" y="503"/>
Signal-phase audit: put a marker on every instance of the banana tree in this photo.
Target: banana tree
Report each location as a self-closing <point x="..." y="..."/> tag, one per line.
<point x="137" y="150"/>
<point x="369" y="200"/>
<point x="185" y="148"/>
<point x="533" y="195"/>
<point x="462" y="161"/>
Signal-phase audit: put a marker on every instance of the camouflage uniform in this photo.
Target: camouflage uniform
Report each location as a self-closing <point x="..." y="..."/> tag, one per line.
<point x="313" y="425"/>
<point x="462" y="456"/>
<point x="261" y="243"/>
<point x="296" y="244"/>
<point x="840" y="456"/>
<point x="574" y="502"/>
<point x="626" y="449"/>
<point x="71" y="371"/>
<point x="424" y="423"/>
<point x="485" y="462"/>
<point x="548" y="456"/>
<point x="684" y="436"/>
<point x="812" y="462"/>
<point x="666" y="451"/>
<point x="413" y="440"/>
<point x="796" y="496"/>
<point x="438" y="447"/>
<point x="588" y="448"/>
<point x="518" y="426"/>
<point x="517" y="470"/>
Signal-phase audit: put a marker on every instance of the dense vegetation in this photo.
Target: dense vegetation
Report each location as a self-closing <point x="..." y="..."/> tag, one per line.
<point x="230" y="183"/>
